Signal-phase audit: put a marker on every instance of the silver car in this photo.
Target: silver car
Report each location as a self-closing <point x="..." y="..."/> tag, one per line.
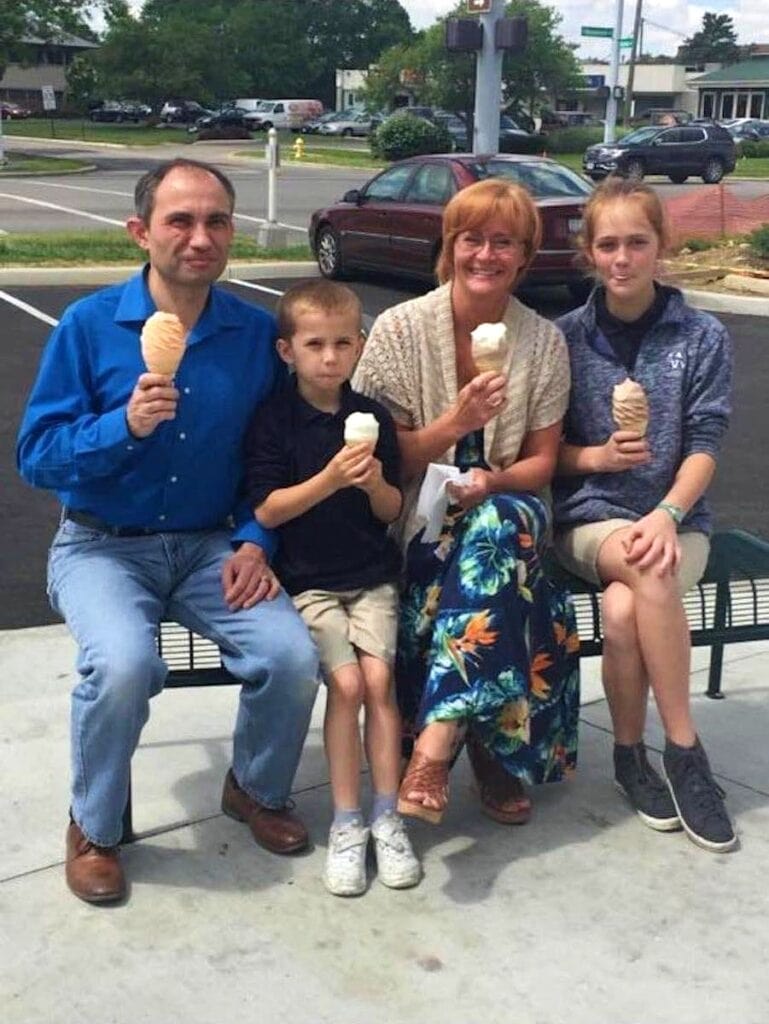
<point x="347" y="125"/>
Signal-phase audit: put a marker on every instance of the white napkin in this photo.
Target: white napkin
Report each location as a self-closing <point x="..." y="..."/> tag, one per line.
<point x="433" y="499"/>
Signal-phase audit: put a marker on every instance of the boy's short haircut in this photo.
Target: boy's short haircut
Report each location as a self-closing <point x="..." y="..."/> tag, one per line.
<point x="317" y="295"/>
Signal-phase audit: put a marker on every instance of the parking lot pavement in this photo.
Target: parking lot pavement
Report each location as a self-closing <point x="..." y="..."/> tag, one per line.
<point x="740" y="493"/>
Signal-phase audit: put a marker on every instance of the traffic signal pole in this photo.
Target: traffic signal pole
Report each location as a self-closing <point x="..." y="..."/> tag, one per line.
<point x="609" y="130"/>
<point x="488" y="83"/>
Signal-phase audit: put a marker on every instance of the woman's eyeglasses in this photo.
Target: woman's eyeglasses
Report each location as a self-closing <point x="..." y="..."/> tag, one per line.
<point x="500" y="245"/>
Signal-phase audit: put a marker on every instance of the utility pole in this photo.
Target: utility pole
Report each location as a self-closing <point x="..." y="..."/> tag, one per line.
<point x="488" y="83"/>
<point x="611" y="103"/>
<point x="631" y="70"/>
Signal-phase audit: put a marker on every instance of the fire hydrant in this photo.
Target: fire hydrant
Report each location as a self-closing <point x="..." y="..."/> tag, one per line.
<point x="299" y="148"/>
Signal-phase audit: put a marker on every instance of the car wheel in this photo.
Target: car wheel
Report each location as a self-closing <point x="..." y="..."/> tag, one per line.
<point x="595" y="177"/>
<point x="678" y="179"/>
<point x="347" y="133"/>
<point x="635" y="169"/>
<point x="328" y="253"/>
<point x="713" y="172"/>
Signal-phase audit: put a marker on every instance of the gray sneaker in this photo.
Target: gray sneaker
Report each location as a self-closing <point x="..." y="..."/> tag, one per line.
<point x="698" y="798"/>
<point x="397" y="865"/>
<point x="345" y="872"/>
<point x="646" y="791"/>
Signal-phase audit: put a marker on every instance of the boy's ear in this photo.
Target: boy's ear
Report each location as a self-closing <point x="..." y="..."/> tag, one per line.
<point x="285" y="351"/>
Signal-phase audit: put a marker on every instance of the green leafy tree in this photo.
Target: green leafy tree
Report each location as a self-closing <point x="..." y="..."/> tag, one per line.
<point x="82" y="81"/>
<point x="43" y="18"/>
<point x="715" y="41"/>
<point x="447" y="79"/>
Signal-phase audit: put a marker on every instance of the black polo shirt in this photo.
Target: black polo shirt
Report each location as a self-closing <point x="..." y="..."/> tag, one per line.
<point x="339" y="544"/>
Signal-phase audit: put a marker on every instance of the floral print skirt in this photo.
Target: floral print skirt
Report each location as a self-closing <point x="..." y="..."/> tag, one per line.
<point x="486" y="639"/>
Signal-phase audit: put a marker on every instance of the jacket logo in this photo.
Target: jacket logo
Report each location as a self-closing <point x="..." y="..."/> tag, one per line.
<point x="676" y="360"/>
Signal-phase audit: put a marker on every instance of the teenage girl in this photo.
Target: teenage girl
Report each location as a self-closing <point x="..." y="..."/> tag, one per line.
<point x="630" y="509"/>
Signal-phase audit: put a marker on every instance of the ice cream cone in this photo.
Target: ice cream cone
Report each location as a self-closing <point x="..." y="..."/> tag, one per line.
<point x="630" y="407"/>
<point x="163" y="342"/>
<point x="489" y="347"/>
<point x="360" y="427"/>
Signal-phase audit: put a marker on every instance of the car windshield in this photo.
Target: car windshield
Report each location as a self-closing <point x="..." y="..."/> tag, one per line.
<point x="543" y="180"/>
<point x="639" y="135"/>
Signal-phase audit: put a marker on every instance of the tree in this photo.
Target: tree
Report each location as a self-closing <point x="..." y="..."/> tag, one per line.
<point x="44" y="18"/>
<point x="715" y="41"/>
<point x="446" y="79"/>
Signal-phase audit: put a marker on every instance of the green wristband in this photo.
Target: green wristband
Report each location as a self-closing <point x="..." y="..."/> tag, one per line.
<point x="675" y="513"/>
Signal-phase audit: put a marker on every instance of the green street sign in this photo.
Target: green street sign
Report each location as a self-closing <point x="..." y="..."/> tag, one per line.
<point x="597" y="32"/>
<point x="626" y="43"/>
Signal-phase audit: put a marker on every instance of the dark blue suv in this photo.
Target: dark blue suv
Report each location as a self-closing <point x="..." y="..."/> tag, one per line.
<point x="678" y="151"/>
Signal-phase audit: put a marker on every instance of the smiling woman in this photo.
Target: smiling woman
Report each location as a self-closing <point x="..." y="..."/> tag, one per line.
<point x="487" y="646"/>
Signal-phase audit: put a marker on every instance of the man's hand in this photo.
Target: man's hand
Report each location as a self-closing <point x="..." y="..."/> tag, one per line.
<point x="473" y="493"/>
<point x="653" y="541"/>
<point x="351" y="465"/>
<point x="154" y="399"/>
<point x="247" y="578"/>
<point x="624" y="450"/>
<point x="480" y="401"/>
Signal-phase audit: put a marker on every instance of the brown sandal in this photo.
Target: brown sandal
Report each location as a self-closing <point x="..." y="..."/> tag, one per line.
<point x="424" y="775"/>
<point x="503" y="797"/>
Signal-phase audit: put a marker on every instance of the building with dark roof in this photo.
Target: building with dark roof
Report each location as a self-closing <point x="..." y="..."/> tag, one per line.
<point x="41" y="62"/>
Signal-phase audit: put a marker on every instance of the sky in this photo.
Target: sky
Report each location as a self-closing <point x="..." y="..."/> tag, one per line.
<point x="683" y="16"/>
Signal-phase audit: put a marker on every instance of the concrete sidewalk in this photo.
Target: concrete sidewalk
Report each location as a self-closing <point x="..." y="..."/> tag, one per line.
<point x="584" y="916"/>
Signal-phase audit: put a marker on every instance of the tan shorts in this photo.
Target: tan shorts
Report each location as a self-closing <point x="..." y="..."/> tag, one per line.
<point x="577" y="550"/>
<point x="343" y="622"/>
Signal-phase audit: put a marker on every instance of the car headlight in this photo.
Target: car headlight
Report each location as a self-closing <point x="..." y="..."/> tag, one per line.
<point x="611" y="153"/>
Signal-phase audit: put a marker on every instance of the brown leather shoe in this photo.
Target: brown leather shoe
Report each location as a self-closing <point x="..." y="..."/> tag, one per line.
<point x="503" y="797"/>
<point x="278" y="831"/>
<point x="94" y="873"/>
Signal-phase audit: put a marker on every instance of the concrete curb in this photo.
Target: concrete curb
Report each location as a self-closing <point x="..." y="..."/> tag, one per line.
<point x="727" y="302"/>
<point x="12" y="175"/>
<point x="37" y="276"/>
<point x="69" y="142"/>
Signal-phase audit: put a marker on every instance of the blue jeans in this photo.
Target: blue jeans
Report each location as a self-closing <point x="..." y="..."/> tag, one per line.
<point x="113" y="592"/>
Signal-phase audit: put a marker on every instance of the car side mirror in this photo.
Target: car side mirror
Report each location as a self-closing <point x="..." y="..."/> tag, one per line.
<point x="353" y="196"/>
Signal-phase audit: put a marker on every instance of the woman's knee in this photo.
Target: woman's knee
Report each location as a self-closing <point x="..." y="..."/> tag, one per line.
<point x="618" y="613"/>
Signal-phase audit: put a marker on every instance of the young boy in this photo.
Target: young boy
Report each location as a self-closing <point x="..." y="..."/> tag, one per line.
<point x="331" y="503"/>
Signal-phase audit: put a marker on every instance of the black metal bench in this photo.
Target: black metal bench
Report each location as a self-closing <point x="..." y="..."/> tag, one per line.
<point x="729" y="605"/>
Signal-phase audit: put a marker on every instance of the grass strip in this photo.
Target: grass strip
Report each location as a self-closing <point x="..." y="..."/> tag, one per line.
<point x="88" y="131"/>
<point x="19" y="163"/>
<point x="85" y="248"/>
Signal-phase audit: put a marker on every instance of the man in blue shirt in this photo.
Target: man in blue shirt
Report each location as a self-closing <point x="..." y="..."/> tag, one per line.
<point x="147" y="468"/>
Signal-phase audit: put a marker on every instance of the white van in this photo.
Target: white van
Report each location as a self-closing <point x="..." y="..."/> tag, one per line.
<point x="283" y="114"/>
<point x="248" y="105"/>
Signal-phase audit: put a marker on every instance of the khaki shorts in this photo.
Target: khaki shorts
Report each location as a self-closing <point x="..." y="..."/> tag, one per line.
<point x="343" y="622"/>
<point x="577" y="550"/>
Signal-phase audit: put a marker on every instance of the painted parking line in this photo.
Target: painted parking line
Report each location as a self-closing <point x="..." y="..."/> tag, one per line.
<point x="63" y="209"/>
<point x="129" y="195"/>
<point x="25" y="306"/>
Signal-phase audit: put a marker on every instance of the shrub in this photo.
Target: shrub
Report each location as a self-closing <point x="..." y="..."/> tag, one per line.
<point x="754" y="149"/>
<point x="573" y="140"/>
<point x="524" y="143"/>
<point x="699" y="244"/>
<point x="759" y="242"/>
<point x="404" y="135"/>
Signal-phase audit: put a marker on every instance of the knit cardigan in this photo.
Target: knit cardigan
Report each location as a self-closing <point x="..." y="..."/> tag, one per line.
<point x="409" y="365"/>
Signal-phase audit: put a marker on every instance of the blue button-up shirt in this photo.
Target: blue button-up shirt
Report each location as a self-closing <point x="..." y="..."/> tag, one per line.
<point x="74" y="438"/>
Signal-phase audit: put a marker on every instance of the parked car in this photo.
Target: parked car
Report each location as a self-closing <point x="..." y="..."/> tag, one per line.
<point x="229" y="123"/>
<point x="13" y="111"/>
<point x="313" y="126"/>
<point x="393" y="224"/>
<point x="705" y="150"/>
<point x="553" y="119"/>
<point x="351" y="124"/>
<point x="290" y="113"/>
<point x="750" y="129"/>
<point x="512" y="138"/>
<point x="119" y="111"/>
<point x="182" y="111"/>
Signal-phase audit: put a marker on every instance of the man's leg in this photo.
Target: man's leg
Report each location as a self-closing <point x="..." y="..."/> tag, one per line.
<point x="107" y="590"/>
<point x="269" y="649"/>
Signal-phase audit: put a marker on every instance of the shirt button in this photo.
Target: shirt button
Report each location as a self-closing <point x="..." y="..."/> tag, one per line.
<point x="174" y="479"/>
<point x="161" y="518"/>
<point x="186" y="391"/>
<point x="182" y="436"/>
<point x="129" y="447"/>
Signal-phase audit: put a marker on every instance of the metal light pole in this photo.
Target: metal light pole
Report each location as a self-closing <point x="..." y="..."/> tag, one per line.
<point x="628" y="109"/>
<point x="488" y="84"/>
<point x="611" y="104"/>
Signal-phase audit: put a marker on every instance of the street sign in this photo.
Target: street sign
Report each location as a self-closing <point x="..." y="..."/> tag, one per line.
<point x="479" y="6"/>
<point x="626" y="43"/>
<point x="596" y="32"/>
<point x="49" y="97"/>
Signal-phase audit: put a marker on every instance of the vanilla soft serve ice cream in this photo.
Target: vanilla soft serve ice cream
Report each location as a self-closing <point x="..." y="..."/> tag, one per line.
<point x="489" y="347"/>
<point x="361" y="426"/>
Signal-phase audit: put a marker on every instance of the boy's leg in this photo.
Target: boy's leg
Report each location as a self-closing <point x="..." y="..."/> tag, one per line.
<point x="341" y="733"/>
<point x="382" y="729"/>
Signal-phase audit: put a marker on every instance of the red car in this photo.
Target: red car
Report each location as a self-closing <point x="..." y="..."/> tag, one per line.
<point x="393" y="224"/>
<point x="13" y="111"/>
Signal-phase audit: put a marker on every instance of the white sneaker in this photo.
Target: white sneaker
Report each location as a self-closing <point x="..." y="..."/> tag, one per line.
<point x="397" y="865"/>
<point x="345" y="873"/>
